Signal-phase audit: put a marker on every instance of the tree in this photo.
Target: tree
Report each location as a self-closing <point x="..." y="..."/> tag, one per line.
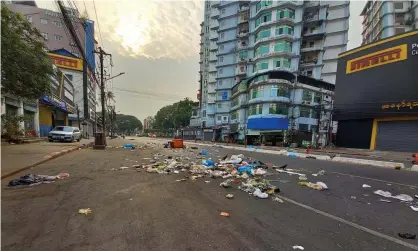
<point x="109" y="96"/>
<point x="26" y="68"/>
<point x="10" y="126"/>
<point x="174" y="116"/>
<point x="128" y="124"/>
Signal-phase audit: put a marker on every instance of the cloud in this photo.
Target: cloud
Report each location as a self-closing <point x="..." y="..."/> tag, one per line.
<point x="152" y="29"/>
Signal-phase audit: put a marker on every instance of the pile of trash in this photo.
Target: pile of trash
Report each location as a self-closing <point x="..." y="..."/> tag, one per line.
<point x="35" y="179"/>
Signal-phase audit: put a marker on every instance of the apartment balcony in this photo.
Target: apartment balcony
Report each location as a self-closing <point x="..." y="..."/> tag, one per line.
<point x="241" y="70"/>
<point x="311" y="4"/>
<point x="213" y="36"/>
<point x="212" y="88"/>
<point x="279" y="37"/>
<point x="213" y="57"/>
<point x="243" y="33"/>
<point x="308" y="62"/>
<point x="311" y="18"/>
<point x="289" y="3"/>
<point x="195" y="122"/>
<point x="242" y="60"/>
<point x="287" y="54"/>
<point x="284" y="21"/>
<point x="214" y="25"/>
<point x="244" y="8"/>
<point x="225" y="108"/>
<point x="214" y="13"/>
<point x="212" y="68"/>
<point x="243" y="18"/>
<point x="213" y="47"/>
<point x="215" y="4"/>
<point x="315" y="34"/>
<point x="309" y="49"/>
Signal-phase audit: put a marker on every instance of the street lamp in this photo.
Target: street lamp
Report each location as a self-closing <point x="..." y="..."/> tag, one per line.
<point x="115" y="76"/>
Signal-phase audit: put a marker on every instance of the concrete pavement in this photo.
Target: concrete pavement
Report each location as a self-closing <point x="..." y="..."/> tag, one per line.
<point x="19" y="156"/>
<point x="141" y="211"/>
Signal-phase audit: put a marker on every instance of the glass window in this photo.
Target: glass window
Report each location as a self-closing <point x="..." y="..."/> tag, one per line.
<point x="278" y="109"/>
<point x="29" y="18"/>
<point x="263" y="19"/>
<point x="318" y="97"/>
<point x="307" y="95"/>
<point x="219" y="117"/>
<point x="283" y="46"/>
<point x="262" y="65"/>
<point x="234" y="102"/>
<point x="58" y="37"/>
<point x="284" y="29"/>
<point x="243" y="54"/>
<point x="234" y="115"/>
<point x="255" y="109"/>
<point x="263" y="34"/>
<point x="281" y="62"/>
<point x="257" y="92"/>
<point x="44" y="21"/>
<point x="264" y="49"/>
<point x="303" y="127"/>
<point x="304" y="112"/>
<point x="279" y="91"/>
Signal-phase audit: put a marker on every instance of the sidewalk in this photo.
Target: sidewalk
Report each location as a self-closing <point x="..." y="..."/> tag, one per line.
<point x="402" y="157"/>
<point x="20" y="156"/>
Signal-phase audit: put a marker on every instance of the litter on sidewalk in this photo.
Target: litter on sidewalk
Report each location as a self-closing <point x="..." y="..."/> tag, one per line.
<point x="85" y="211"/>
<point x="35" y="179"/>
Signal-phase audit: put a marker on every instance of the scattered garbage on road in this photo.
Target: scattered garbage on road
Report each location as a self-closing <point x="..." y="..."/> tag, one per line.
<point x="85" y="211"/>
<point x="298" y="247"/>
<point x="35" y="179"/>
<point x="407" y="236"/>
<point x="366" y="186"/>
<point x="229" y="196"/>
<point x="224" y="214"/>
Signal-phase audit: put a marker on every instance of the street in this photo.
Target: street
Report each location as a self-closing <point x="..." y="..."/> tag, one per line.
<point x="134" y="210"/>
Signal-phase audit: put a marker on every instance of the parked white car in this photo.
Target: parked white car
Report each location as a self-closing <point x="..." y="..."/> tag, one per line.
<point x="65" y="133"/>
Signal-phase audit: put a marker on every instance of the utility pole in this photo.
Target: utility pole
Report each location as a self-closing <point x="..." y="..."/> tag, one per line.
<point x="102" y="90"/>
<point x="78" y="117"/>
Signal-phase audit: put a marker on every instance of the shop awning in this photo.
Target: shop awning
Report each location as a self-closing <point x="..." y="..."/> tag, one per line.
<point x="268" y="123"/>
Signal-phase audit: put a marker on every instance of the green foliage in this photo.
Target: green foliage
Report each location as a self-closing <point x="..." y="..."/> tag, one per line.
<point x="26" y="68"/>
<point x="127" y="124"/>
<point x="174" y="116"/>
<point x="10" y="125"/>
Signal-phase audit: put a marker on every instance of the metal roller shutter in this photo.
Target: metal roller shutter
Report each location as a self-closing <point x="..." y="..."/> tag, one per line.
<point x="400" y="136"/>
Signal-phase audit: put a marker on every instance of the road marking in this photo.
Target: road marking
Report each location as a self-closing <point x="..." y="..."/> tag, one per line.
<point x="384" y="181"/>
<point x="352" y="224"/>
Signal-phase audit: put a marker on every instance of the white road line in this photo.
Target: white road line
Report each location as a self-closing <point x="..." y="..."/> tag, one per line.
<point x="384" y="181"/>
<point x="357" y="226"/>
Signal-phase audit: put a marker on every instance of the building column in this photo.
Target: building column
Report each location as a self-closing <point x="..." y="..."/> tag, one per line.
<point x="20" y="113"/>
<point x="36" y="120"/>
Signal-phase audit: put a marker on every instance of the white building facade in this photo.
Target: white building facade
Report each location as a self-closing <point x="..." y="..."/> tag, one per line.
<point x="271" y="59"/>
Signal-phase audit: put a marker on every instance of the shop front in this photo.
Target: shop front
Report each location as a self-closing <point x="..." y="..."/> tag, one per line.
<point x="267" y="131"/>
<point x="52" y="112"/>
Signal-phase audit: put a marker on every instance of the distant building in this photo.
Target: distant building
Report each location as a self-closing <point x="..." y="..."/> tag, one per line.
<point x="382" y="19"/>
<point x="148" y="121"/>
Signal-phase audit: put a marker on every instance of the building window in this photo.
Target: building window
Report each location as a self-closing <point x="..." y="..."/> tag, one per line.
<point x="263" y="19"/>
<point x="307" y="96"/>
<point x="58" y="37"/>
<point x="303" y="127"/>
<point x="221" y="71"/>
<point x="243" y="55"/>
<point x="262" y="65"/>
<point x="235" y="115"/>
<point x="264" y="49"/>
<point x="255" y="109"/>
<point x="219" y="118"/>
<point x="221" y="59"/>
<point x="257" y="92"/>
<point x="318" y="97"/>
<point x="286" y="13"/>
<point x="221" y="47"/>
<point x="279" y="91"/>
<point x="220" y="105"/>
<point x="222" y="35"/>
<point x="398" y="5"/>
<point x="278" y="109"/>
<point x="45" y="35"/>
<point x="234" y="102"/>
<point x="44" y="21"/>
<point x="57" y="23"/>
<point x="283" y="46"/>
<point x="263" y="34"/>
<point x="304" y="112"/>
<point x="29" y="18"/>
<point x="263" y="4"/>
<point x="281" y="62"/>
<point x="284" y="29"/>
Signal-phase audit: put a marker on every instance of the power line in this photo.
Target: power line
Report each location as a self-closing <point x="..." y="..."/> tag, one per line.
<point x="170" y="96"/>
<point x="98" y="25"/>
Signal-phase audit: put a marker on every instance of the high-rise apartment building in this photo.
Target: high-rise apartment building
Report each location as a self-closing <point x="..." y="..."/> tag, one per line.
<point x="262" y="61"/>
<point x="382" y="19"/>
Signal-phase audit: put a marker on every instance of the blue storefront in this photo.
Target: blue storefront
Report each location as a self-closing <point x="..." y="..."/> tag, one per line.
<point x="53" y="111"/>
<point x="267" y="130"/>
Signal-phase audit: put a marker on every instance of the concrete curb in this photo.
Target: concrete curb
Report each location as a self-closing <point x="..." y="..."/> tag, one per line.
<point x="47" y="158"/>
<point x="386" y="164"/>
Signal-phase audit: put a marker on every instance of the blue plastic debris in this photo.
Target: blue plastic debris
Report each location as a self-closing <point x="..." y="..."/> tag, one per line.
<point x="245" y="169"/>
<point x="292" y="155"/>
<point x="203" y="152"/>
<point x="208" y="162"/>
<point x="128" y="146"/>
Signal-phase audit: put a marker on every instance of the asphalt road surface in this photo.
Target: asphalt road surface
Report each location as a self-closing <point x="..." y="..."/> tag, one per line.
<point x="145" y="211"/>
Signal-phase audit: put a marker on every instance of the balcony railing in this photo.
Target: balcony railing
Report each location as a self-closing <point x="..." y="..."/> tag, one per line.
<point x="309" y="18"/>
<point x="243" y="33"/>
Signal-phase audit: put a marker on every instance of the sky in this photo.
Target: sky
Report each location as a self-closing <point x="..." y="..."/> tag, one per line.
<point x="156" y="44"/>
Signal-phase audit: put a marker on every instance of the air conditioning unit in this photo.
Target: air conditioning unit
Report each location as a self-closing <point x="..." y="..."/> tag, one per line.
<point x="224" y="119"/>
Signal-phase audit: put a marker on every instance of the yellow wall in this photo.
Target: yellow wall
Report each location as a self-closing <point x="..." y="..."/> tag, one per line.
<point x="66" y="119"/>
<point x="375" y="124"/>
<point x="45" y="117"/>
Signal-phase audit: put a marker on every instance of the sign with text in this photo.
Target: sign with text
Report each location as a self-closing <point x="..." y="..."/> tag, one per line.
<point x="379" y="58"/>
<point x="66" y="62"/>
